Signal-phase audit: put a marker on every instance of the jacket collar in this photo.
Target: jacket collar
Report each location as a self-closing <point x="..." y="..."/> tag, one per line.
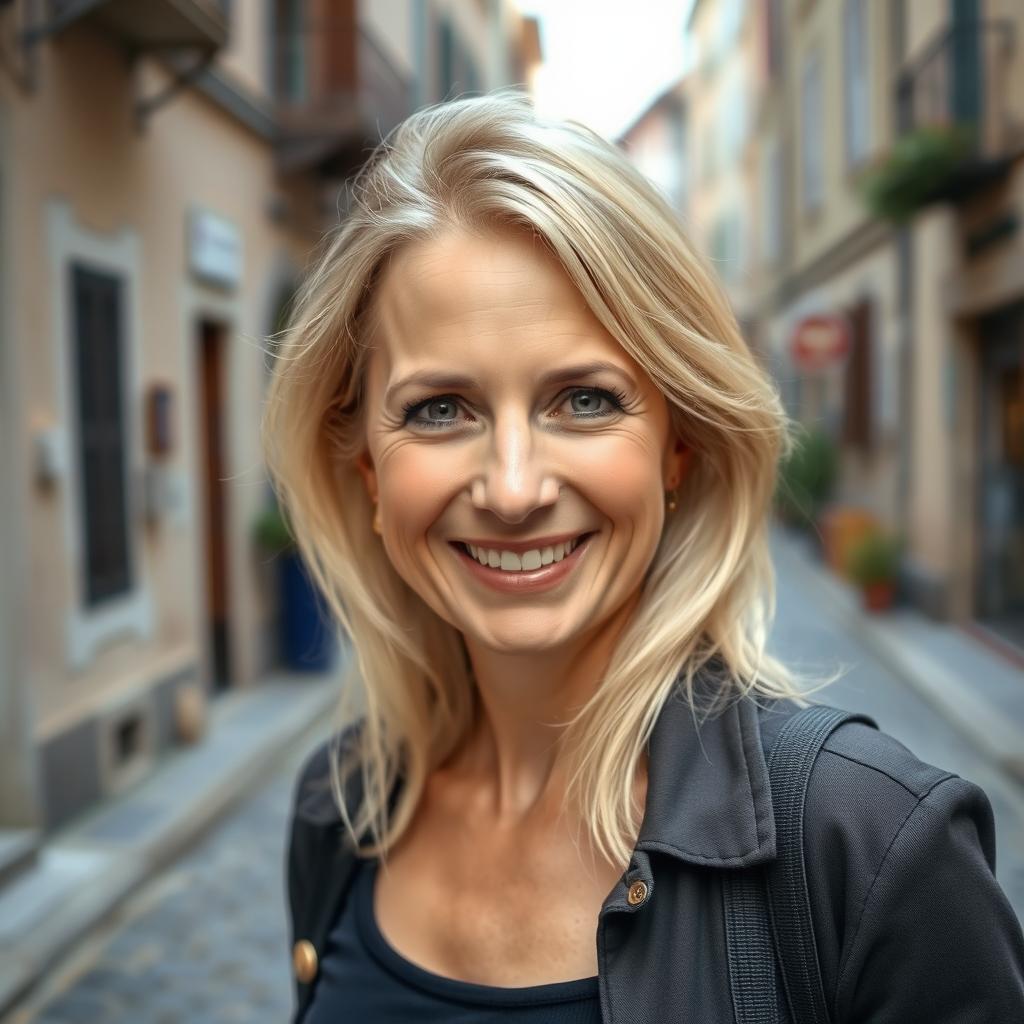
<point x="708" y="792"/>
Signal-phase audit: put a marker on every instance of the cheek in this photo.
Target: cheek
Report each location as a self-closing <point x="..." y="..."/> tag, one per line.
<point x="623" y="480"/>
<point x="414" y="487"/>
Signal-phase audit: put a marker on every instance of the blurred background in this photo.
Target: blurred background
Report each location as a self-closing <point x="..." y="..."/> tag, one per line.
<point x="854" y="169"/>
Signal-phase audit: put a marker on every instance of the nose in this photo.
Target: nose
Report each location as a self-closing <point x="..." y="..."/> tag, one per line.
<point x="516" y="478"/>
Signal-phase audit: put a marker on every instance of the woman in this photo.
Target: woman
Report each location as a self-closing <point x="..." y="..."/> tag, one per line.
<point x="529" y="459"/>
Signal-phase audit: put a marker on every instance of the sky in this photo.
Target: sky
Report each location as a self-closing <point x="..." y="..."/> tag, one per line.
<point x="605" y="60"/>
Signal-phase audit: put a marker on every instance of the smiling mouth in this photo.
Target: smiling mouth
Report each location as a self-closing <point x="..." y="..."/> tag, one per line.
<point x="512" y="568"/>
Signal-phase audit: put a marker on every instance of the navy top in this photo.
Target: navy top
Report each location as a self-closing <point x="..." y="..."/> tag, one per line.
<point x="363" y="978"/>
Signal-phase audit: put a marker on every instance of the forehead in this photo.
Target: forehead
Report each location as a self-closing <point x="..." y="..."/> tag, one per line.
<point x="466" y="294"/>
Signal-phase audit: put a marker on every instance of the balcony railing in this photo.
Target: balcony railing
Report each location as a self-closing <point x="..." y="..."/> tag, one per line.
<point x="963" y="81"/>
<point x="153" y="24"/>
<point x="337" y="93"/>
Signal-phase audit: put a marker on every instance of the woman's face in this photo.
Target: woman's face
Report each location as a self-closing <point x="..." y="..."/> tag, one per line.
<point x="513" y="446"/>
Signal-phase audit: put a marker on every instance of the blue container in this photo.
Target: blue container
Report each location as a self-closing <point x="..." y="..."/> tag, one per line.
<point x="307" y="632"/>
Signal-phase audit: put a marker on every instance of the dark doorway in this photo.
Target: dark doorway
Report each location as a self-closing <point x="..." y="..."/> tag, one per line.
<point x="213" y="471"/>
<point x="1000" y="578"/>
<point x="858" y="390"/>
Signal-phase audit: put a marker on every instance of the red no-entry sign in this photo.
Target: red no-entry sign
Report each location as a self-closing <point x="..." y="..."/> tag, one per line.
<point x="820" y="341"/>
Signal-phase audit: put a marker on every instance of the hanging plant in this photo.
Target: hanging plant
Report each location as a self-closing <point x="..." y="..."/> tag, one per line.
<point x="916" y="170"/>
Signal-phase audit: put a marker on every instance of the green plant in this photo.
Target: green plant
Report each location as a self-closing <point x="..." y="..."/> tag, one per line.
<point x="271" y="530"/>
<point x="875" y="558"/>
<point x="807" y="477"/>
<point x="914" y="171"/>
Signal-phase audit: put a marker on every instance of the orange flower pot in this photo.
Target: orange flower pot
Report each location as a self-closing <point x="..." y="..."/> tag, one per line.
<point x="879" y="596"/>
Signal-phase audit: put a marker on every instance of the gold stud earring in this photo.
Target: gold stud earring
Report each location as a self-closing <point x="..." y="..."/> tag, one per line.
<point x="672" y="504"/>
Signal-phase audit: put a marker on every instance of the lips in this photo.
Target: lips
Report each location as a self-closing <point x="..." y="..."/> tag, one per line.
<point x="525" y="581"/>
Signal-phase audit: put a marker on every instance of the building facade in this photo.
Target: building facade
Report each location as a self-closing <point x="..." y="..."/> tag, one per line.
<point x="923" y="397"/>
<point x="656" y="143"/>
<point x="166" y="173"/>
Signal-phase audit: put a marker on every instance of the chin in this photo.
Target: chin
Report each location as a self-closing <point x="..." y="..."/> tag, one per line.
<point x="522" y="637"/>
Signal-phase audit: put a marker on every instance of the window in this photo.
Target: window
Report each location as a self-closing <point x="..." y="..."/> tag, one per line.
<point x="732" y="119"/>
<point x="771" y="202"/>
<point x="100" y="414"/>
<point x="812" y="125"/>
<point x="856" y="91"/>
<point x="459" y="74"/>
<point x="677" y="127"/>
<point x="773" y="37"/>
<point x="97" y="330"/>
<point x="730" y="24"/>
<point x="707" y="152"/>
<point x="292" y="72"/>
<point x="727" y="246"/>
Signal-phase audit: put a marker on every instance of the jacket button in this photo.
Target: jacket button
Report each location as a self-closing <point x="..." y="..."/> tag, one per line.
<point x="637" y="893"/>
<point x="304" y="961"/>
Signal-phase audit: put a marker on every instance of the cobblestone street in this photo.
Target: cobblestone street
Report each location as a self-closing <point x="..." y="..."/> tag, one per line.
<point x="208" y="942"/>
<point x="205" y="944"/>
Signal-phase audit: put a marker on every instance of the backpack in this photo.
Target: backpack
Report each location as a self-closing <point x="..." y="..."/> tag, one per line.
<point x="769" y="932"/>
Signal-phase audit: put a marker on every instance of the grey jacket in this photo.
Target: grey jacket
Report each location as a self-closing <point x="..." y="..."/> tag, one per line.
<point x="909" y="921"/>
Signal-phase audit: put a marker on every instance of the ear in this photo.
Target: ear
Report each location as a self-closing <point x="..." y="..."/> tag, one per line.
<point x="369" y="474"/>
<point x="677" y="463"/>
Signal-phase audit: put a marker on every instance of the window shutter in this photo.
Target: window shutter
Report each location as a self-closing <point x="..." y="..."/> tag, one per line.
<point x="99" y="365"/>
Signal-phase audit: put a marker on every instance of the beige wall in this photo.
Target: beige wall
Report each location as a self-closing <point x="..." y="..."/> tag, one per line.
<point x="84" y="167"/>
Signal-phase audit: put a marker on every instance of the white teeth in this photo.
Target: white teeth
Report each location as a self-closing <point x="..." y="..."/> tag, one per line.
<point x="531" y="560"/>
<point x="510" y="561"/>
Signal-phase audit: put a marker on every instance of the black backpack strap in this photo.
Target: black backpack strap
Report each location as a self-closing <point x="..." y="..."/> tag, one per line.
<point x="753" y="971"/>
<point x="769" y="931"/>
<point x="789" y="768"/>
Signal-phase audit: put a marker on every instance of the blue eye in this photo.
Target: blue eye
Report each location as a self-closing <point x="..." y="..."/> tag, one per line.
<point x="410" y="408"/>
<point x="615" y="398"/>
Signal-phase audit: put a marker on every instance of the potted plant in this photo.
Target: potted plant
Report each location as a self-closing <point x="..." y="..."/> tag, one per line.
<point x="271" y="531"/>
<point x="306" y="628"/>
<point x="873" y="565"/>
<point x="916" y="170"/>
<point x="806" y="478"/>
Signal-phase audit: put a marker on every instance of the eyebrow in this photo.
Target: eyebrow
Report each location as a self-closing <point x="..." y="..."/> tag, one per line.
<point x="432" y="379"/>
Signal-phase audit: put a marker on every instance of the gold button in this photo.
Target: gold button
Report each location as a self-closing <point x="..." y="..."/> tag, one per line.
<point x="304" y="961"/>
<point x="637" y="893"/>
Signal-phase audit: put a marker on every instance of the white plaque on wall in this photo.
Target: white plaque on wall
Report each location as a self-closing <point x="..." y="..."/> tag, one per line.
<point x="214" y="249"/>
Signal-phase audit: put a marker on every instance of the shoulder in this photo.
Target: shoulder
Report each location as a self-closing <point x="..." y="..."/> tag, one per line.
<point x="900" y="862"/>
<point x="858" y="765"/>
<point x="313" y="802"/>
<point x="864" y="787"/>
<point x="315" y="825"/>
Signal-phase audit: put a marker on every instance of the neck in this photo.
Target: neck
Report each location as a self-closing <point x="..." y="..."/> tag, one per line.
<point x="514" y="756"/>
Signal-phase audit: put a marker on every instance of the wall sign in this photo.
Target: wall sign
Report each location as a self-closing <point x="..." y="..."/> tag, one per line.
<point x="214" y="249"/>
<point x="819" y="342"/>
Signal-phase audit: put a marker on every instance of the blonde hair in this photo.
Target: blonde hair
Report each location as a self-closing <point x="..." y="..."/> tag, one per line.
<point x="708" y="597"/>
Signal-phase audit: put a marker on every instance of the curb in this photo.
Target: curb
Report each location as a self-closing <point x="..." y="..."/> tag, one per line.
<point x="246" y="751"/>
<point x="983" y="724"/>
